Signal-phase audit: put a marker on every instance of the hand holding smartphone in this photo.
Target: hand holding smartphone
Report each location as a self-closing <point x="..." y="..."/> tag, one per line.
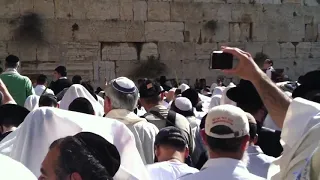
<point x="221" y="60"/>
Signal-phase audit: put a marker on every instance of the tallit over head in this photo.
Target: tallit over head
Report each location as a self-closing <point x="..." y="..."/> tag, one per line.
<point x="13" y="170"/>
<point x="76" y="91"/>
<point x="32" y="102"/>
<point x="224" y="98"/>
<point x="30" y="142"/>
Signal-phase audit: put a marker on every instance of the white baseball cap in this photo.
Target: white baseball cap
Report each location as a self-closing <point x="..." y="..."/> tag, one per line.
<point x="226" y="121"/>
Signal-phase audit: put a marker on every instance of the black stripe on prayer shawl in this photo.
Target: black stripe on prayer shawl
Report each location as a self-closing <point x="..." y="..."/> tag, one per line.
<point x="122" y="89"/>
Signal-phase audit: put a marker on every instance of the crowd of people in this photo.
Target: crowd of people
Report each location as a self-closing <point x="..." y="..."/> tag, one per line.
<point x="154" y="130"/>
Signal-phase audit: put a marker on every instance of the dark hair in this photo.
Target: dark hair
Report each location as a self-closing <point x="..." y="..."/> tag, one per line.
<point x="98" y="90"/>
<point x="177" y="92"/>
<point x="269" y="61"/>
<point x="82" y="105"/>
<point x="48" y="100"/>
<point x="192" y="95"/>
<point x="76" y="79"/>
<point x="253" y="130"/>
<point x="152" y="100"/>
<point x="12" y="61"/>
<point x="89" y="88"/>
<point x="177" y="110"/>
<point x="61" y="70"/>
<point x="74" y="157"/>
<point x="224" y="145"/>
<point x="163" y="79"/>
<point x="42" y="79"/>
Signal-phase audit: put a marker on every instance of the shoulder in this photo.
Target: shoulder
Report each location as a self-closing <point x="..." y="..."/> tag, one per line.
<point x="146" y="126"/>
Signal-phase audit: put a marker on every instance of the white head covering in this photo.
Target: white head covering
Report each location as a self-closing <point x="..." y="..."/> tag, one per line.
<point x="30" y="142"/>
<point x="183" y="103"/>
<point x="13" y="170"/>
<point x="215" y="101"/>
<point x="218" y="90"/>
<point x="76" y="91"/>
<point x="213" y="85"/>
<point x="224" y="98"/>
<point x="32" y="102"/>
<point x="183" y="87"/>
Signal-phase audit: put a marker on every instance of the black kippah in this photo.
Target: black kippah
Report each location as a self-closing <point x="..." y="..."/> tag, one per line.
<point x="105" y="152"/>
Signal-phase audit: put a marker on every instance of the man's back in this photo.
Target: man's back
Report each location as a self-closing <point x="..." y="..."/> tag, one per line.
<point x="59" y="85"/>
<point x="224" y="169"/>
<point x="259" y="163"/>
<point x="20" y="87"/>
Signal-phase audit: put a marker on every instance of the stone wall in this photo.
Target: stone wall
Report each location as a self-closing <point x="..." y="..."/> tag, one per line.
<point x="102" y="39"/>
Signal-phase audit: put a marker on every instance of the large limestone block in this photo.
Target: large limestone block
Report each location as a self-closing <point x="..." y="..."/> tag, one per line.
<point x="164" y="31"/>
<point x="311" y="32"/>
<point x="6" y="30"/>
<point x="272" y="49"/>
<point x="63" y="9"/>
<point x="148" y="50"/>
<point x="315" y="49"/>
<point x="104" y="71"/>
<point x="8" y="9"/>
<point x="186" y="11"/>
<point x="82" y="51"/>
<point x="253" y="47"/>
<point x="3" y="50"/>
<point x="159" y="11"/>
<point x="311" y="2"/>
<point x="292" y="67"/>
<point x="267" y="1"/>
<point x="287" y="50"/>
<point x="292" y="1"/>
<point x="219" y="34"/>
<point x="140" y="10"/>
<point x="44" y="7"/>
<point x="126" y="68"/>
<point x="239" y="32"/>
<point x="245" y="12"/>
<point x="126" y="10"/>
<point x="119" y="51"/>
<point x="303" y="50"/>
<point x="311" y="65"/>
<point x="204" y="50"/>
<point x="170" y="51"/>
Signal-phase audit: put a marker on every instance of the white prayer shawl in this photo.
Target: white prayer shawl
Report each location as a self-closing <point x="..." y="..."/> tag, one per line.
<point x="218" y="90"/>
<point x="215" y="101"/>
<point x="183" y="87"/>
<point x="100" y="100"/>
<point x="224" y="98"/>
<point x="32" y="102"/>
<point x="30" y="142"/>
<point x="300" y="136"/>
<point x="13" y="170"/>
<point x="76" y="91"/>
<point x="213" y="85"/>
<point x="143" y="131"/>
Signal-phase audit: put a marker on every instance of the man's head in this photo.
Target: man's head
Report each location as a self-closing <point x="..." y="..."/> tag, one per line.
<point x="226" y="132"/>
<point x="59" y="72"/>
<point x="12" y="115"/>
<point x="76" y="79"/>
<point x="309" y="87"/>
<point x="220" y="81"/>
<point x="163" y="80"/>
<point x="81" y="105"/>
<point x="183" y="106"/>
<point x="267" y="63"/>
<point x="121" y="93"/>
<point x="192" y="95"/>
<point x="48" y="100"/>
<point x="42" y="79"/>
<point x="12" y="61"/>
<point x="84" y="156"/>
<point x="150" y="94"/>
<point x="171" y="142"/>
<point x="247" y="98"/>
<point x="203" y="83"/>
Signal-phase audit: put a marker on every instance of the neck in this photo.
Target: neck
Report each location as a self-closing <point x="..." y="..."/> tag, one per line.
<point x="176" y="156"/>
<point x="214" y="155"/>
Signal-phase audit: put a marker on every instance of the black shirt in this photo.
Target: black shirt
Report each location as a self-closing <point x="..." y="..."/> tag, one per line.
<point x="59" y="85"/>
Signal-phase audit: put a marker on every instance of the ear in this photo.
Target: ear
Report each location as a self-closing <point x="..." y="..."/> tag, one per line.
<point x="157" y="151"/>
<point x="204" y="137"/>
<point x="58" y="105"/>
<point x="75" y="176"/>
<point x="255" y="140"/>
<point x="187" y="152"/>
<point x="245" y="143"/>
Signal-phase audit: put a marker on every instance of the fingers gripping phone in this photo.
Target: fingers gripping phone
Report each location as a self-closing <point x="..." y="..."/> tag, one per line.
<point x="221" y="60"/>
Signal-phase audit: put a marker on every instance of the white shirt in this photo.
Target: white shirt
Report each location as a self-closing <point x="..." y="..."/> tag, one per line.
<point x="40" y="88"/>
<point x="169" y="170"/>
<point x="258" y="162"/>
<point x="223" y="169"/>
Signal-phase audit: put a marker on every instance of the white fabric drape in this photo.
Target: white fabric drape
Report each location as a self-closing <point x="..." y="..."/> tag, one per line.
<point x="224" y="98"/>
<point x="76" y="91"/>
<point x="32" y="102"/>
<point x="13" y="170"/>
<point x="30" y="142"/>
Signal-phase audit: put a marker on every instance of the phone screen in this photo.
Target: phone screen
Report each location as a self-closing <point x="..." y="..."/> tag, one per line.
<point x="220" y="60"/>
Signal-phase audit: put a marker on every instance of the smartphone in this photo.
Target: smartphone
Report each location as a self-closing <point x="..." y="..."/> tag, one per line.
<point x="221" y="60"/>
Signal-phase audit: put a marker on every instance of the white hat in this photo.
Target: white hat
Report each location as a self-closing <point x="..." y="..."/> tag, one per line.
<point x="124" y="85"/>
<point x="183" y="103"/>
<point x="233" y="120"/>
<point x="183" y="87"/>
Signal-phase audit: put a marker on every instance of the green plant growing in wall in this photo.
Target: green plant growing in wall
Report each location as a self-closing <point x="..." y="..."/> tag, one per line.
<point x="151" y="68"/>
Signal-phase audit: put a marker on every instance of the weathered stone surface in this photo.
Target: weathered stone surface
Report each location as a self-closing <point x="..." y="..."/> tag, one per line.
<point x="119" y="51"/>
<point x="268" y="1"/>
<point x="287" y="50"/>
<point x="44" y="7"/>
<point x="3" y="50"/>
<point x="63" y="9"/>
<point x="184" y="11"/>
<point x="82" y="51"/>
<point x="292" y="1"/>
<point x="164" y="31"/>
<point x="245" y="12"/>
<point x="219" y="34"/>
<point x="140" y="10"/>
<point x="5" y="30"/>
<point x="311" y="32"/>
<point x="239" y="31"/>
<point x="272" y="49"/>
<point x="104" y="71"/>
<point x="253" y="47"/>
<point x="204" y="50"/>
<point x="310" y="2"/>
<point x="176" y="51"/>
<point x="158" y="11"/>
<point x="148" y="50"/>
<point x="9" y="8"/>
<point x="315" y="49"/>
<point x="126" y="68"/>
<point x="303" y="50"/>
<point x="126" y="10"/>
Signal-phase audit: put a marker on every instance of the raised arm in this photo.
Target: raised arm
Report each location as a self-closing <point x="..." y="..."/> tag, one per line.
<point x="276" y="102"/>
